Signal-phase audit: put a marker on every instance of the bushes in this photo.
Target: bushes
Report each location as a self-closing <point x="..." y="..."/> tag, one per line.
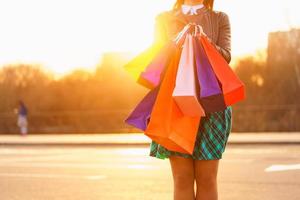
<point x="99" y="101"/>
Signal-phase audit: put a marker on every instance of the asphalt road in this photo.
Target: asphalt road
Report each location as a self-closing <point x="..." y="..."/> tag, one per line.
<point x="247" y="172"/>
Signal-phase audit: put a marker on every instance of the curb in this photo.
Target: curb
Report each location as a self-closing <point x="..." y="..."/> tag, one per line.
<point x="140" y="144"/>
<point x="139" y="139"/>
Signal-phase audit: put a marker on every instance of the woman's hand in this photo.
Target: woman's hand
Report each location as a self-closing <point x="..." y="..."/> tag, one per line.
<point x="200" y="31"/>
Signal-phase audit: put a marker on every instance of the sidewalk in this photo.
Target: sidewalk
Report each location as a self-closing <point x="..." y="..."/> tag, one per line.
<point x="139" y="139"/>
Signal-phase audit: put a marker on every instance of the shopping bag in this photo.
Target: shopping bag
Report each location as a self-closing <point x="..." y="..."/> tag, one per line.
<point x="154" y="71"/>
<point x="185" y="91"/>
<point x="137" y="65"/>
<point x="232" y="87"/>
<point x="140" y="116"/>
<point x="168" y="126"/>
<point x="211" y="96"/>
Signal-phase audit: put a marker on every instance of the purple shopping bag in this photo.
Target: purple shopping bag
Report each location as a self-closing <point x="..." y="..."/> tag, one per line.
<point x="140" y="116"/>
<point x="211" y="96"/>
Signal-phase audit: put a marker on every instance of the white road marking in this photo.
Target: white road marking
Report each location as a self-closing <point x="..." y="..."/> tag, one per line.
<point x="274" y="168"/>
<point x="60" y="176"/>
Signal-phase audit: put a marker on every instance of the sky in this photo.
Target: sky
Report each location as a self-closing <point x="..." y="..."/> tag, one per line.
<point x="66" y="34"/>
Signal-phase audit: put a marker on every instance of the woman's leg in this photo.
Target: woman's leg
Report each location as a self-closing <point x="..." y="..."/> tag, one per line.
<point x="206" y="179"/>
<point x="183" y="177"/>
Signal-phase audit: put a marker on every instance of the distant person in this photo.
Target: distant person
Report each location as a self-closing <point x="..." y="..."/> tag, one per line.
<point x="22" y="118"/>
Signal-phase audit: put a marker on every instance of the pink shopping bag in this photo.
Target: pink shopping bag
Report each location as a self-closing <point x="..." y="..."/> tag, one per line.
<point x="185" y="91"/>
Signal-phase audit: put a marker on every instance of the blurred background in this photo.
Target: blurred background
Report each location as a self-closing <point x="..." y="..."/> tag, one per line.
<point x="64" y="60"/>
<point x="62" y="82"/>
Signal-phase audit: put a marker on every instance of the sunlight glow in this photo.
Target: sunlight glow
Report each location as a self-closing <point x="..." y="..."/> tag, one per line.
<point x="66" y="34"/>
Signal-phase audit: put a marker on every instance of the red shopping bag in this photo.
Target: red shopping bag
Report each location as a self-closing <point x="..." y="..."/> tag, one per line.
<point x="232" y="87"/>
<point x="168" y="126"/>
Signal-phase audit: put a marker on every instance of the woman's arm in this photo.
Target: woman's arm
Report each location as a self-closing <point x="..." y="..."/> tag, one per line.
<point x="223" y="44"/>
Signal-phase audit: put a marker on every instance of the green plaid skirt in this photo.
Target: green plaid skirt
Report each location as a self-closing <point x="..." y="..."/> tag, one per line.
<point x="211" y="139"/>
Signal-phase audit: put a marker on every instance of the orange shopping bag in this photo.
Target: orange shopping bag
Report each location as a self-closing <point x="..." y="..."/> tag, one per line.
<point x="185" y="92"/>
<point x="233" y="88"/>
<point x="168" y="126"/>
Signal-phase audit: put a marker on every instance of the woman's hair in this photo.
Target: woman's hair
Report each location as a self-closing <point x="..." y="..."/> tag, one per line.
<point x="208" y="3"/>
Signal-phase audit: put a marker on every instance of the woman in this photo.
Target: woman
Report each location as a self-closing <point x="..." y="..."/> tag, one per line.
<point x="214" y="128"/>
<point x="22" y="118"/>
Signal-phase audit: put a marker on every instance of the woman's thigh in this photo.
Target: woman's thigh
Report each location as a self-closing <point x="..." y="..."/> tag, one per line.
<point x="206" y="171"/>
<point x="182" y="168"/>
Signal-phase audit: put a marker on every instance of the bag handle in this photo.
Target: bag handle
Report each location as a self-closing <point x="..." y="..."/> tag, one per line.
<point x="197" y="29"/>
<point x="181" y="34"/>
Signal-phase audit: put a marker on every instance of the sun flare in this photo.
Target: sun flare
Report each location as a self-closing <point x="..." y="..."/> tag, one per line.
<point x="63" y="35"/>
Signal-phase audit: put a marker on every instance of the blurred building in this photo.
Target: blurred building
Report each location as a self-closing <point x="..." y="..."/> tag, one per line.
<point x="284" y="50"/>
<point x="283" y="74"/>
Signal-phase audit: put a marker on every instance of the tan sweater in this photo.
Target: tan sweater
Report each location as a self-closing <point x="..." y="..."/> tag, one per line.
<point x="215" y="24"/>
